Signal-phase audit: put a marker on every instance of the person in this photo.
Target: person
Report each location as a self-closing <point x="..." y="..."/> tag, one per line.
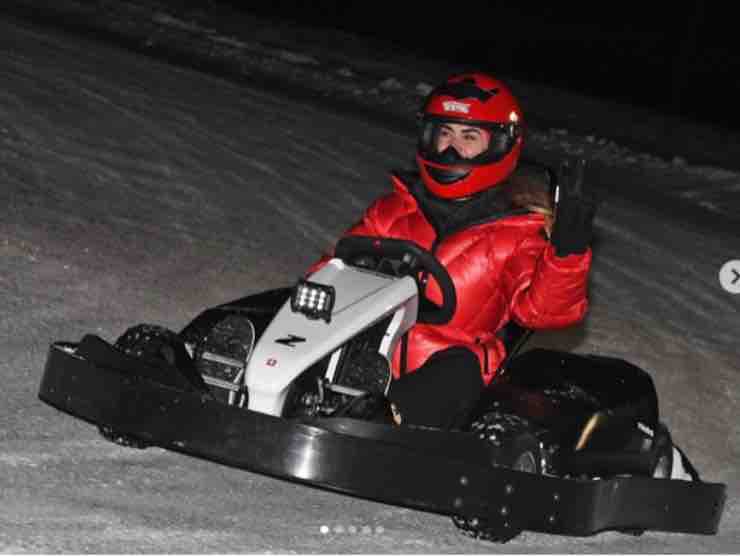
<point x="512" y="250"/>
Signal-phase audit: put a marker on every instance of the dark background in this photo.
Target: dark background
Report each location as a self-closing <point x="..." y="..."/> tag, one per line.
<point x="677" y="58"/>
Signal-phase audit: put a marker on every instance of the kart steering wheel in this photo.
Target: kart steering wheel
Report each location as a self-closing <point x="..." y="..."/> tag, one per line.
<point x="350" y="248"/>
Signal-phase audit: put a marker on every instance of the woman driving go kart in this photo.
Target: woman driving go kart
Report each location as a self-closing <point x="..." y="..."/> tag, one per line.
<point x="514" y="239"/>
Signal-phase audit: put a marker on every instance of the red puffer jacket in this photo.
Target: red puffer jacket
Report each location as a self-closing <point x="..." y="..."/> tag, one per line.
<point x="503" y="267"/>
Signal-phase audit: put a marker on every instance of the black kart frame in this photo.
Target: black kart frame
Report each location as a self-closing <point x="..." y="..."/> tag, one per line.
<point x="426" y="469"/>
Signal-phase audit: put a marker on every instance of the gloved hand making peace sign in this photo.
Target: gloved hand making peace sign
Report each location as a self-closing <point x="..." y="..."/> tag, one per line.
<point x="575" y="206"/>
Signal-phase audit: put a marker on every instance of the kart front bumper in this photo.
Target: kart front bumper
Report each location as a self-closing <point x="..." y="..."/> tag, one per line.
<point x="388" y="467"/>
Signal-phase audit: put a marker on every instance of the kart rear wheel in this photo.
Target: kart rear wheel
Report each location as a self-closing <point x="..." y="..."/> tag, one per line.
<point x="664" y="458"/>
<point x="526" y="461"/>
<point x="514" y="446"/>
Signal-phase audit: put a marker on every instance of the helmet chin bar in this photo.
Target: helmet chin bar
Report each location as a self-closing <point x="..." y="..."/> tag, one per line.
<point x="449" y="175"/>
<point x="460" y="181"/>
<point x="450" y="156"/>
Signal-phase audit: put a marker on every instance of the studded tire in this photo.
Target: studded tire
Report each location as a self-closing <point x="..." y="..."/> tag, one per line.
<point x="125" y="440"/>
<point x="513" y="445"/>
<point x="149" y="342"/>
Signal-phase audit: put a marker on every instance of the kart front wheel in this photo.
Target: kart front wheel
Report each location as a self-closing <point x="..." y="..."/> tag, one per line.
<point x="148" y="341"/>
<point x="164" y="356"/>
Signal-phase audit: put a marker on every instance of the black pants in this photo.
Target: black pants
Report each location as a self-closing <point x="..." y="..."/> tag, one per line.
<point x="442" y="392"/>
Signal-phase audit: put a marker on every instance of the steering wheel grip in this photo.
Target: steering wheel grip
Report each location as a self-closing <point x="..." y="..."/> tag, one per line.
<point x="350" y="247"/>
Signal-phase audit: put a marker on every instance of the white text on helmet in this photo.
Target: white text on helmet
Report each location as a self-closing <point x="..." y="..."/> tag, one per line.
<point x="453" y="106"/>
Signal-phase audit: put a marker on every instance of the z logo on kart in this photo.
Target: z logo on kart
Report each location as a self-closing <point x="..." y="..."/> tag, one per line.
<point x="290" y="340"/>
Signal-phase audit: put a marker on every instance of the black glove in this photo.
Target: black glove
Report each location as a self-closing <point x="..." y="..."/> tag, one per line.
<point x="575" y="207"/>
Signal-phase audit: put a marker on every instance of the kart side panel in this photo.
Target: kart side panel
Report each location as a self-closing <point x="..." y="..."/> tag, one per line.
<point x="383" y="467"/>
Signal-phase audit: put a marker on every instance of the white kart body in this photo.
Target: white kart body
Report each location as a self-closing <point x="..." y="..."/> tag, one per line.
<point x="363" y="297"/>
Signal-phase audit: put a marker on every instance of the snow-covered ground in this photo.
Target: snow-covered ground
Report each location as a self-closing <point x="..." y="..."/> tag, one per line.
<point x="699" y="164"/>
<point x="137" y="191"/>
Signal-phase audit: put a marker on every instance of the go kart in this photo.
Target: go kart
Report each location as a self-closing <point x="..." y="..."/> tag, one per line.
<point x="280" y="383"/>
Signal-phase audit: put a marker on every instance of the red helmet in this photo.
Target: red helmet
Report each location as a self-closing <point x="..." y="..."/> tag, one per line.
<point x="478" y="100"/>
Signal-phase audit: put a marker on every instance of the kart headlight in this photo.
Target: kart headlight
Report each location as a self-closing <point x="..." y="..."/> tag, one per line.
<point x="313" y="300"/>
